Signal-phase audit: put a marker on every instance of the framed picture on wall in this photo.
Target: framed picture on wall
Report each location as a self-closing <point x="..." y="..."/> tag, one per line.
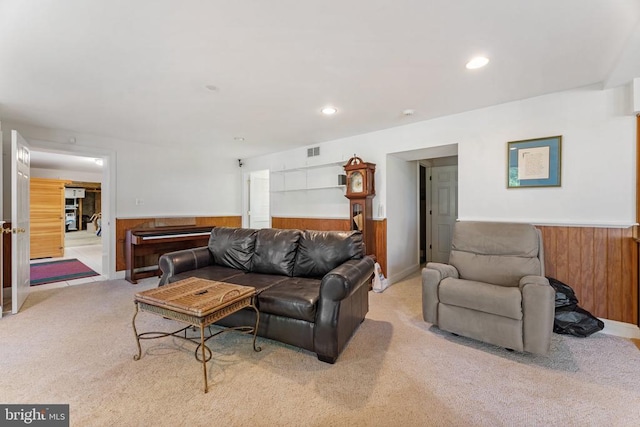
<point x="534" y="162"/>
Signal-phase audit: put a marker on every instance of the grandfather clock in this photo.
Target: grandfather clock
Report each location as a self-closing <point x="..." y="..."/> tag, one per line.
<point x="360" y="190"/>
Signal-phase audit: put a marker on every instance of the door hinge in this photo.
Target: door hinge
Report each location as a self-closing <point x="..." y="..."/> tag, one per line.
<point x="429" y="177"/>
<point x="430" y="212"/>
<point x="430" y="247"/>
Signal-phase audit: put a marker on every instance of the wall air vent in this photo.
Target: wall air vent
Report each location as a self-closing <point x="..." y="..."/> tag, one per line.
<point x="312" y="152"/>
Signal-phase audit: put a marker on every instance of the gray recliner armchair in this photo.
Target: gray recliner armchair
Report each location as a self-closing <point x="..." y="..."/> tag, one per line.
<point x="493" y="289"/>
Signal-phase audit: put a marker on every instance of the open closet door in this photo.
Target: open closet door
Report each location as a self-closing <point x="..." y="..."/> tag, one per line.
<point x="20" y="171"/>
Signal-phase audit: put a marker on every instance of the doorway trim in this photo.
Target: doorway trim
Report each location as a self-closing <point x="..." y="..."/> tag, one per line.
<point x="108" y="184"/>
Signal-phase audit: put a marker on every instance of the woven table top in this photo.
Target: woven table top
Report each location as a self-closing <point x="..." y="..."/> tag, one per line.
<point x="195" y="296"/>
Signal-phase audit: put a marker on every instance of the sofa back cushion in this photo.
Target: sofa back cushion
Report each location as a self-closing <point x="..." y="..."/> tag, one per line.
<point x="496" y="252"/>
<point x="319" y="252"/>
<point x="275" y="251"/>
<point x="233" y="247"/>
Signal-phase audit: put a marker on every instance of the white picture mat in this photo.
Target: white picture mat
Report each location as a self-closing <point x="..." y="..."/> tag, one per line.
<point x="533" y="163"/>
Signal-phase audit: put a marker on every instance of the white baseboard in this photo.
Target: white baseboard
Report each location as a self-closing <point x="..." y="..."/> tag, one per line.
<point x="620" y="329"/>
<point x="403" y="274"/>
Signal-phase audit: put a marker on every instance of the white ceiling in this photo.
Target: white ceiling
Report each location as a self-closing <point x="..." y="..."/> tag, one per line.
<point x="56" y="161"/>
<point x="138" y="70"/>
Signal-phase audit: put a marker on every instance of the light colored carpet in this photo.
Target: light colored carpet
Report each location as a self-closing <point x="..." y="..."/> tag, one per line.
<point x="75" y="345"/>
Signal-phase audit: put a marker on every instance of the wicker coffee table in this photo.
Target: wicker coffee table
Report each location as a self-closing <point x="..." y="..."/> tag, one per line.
<point x="198" y="303"/>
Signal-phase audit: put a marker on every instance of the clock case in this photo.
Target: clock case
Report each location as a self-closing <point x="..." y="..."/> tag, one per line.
<point x="360" y="204"/>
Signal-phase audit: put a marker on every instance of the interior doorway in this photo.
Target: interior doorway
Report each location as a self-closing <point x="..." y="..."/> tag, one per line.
<point x="85" y="204"/>
<point x="257" y="207"/>
<point x="438" y="205"/>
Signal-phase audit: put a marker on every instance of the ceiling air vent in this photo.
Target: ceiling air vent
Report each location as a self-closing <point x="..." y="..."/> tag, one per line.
<point x="312" y="152"/>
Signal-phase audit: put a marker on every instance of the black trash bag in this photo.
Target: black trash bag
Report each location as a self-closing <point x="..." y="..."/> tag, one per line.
<point x="565" y="297"/>
<point x="570" y="318"/>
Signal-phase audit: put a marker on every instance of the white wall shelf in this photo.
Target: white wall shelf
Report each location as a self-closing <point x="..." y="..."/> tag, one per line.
<point x="307" y="178"/>
<point x="328" y="187"/>
<point x="307" y="167"/>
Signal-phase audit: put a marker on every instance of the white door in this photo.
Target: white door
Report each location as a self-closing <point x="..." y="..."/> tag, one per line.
<point x="20" y="274"/>
<point x="444" y="210"/>
<point x="259" y="199"/>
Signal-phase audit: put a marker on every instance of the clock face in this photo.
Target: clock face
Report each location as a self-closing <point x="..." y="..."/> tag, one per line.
<point x="356" y="182"/>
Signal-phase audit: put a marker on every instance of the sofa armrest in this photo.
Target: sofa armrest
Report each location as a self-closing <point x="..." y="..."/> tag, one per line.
<point x="177" y="262"/>
<point x="340" y="282"/>
<point x="432" y="275"/>
<point x="342" y="305"/>
<point x="538" y="310"/>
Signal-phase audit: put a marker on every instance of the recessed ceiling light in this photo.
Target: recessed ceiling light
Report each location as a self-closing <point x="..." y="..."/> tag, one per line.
<point x="212" y="88"/>
<point x="328" y="110"/>
<point x="408" y="112"/>
<point x="477" y="62"/>
<point x="238" y="138"/>
<point x="98" y="162"/>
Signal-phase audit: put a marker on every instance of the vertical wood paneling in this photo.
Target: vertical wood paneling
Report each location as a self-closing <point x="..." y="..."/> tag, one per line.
<point x="600" y="265"/>
<point x="380" y="243"/>
<point x="600" y="262"/>
<point x="562" y="252"/>
<point x="614" y="272"/>
<point x="585" y="247"/>
<point x="321" y="224"/>
<point x="629" y="294"/>
<point x="549" y="239"/>
<point x="573" y="257"/>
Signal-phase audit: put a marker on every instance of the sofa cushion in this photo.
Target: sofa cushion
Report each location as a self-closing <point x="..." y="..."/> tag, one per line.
<point x="499" y="300"/>
<point x="257" y="280"/>
<point x="233" y="247"/>
<point x="294" y="297"/>
<point x="319" y="252"/>
<point x="275" y="251"/>
<point x="210" y="272"/>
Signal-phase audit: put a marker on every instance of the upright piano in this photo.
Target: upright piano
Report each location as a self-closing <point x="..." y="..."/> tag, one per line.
<point x="144" y="246"/>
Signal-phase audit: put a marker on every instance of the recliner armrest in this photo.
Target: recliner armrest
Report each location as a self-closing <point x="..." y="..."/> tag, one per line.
<point x="536" y="280"/>
<point x="177" y="262"/>
<point x="432" y="275"/>
<point x="445" y="270"/>
<point x="538" y="310"/>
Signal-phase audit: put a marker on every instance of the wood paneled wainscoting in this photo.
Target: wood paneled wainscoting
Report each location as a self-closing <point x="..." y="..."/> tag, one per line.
<point x="600" y="265"/>
<point x="124" y="224"/>
<point x="332" y="224"/>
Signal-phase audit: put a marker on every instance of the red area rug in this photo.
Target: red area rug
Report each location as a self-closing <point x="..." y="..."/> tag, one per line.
<point x="59" y="271"/>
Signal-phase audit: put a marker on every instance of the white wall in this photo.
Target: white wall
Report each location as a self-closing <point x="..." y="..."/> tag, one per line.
<point x="402" y="210"/>
<point x="598" y="162"/>
<point x="168" y="181"/>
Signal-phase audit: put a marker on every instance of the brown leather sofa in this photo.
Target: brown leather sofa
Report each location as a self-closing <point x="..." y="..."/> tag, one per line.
<point x="312" y="286"/>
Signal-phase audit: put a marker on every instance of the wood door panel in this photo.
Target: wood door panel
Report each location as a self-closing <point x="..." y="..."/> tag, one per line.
<point x="47" y="218"/>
